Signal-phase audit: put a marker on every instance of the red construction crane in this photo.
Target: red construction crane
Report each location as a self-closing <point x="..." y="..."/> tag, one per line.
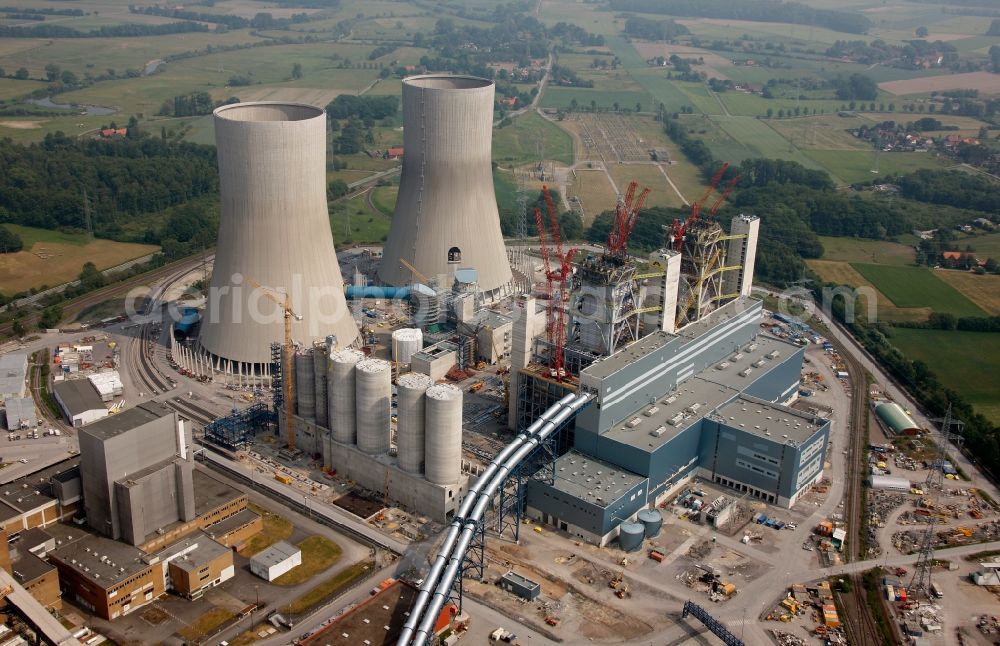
<point x="555" y="281"/>
<point x="677" y="233"/>
<point x="725" y="194"/>
<point x="626" y="215"/>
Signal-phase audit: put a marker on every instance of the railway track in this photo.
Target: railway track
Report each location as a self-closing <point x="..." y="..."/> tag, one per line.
<point x="76" y="305"/>
<point x="860" y="624"/>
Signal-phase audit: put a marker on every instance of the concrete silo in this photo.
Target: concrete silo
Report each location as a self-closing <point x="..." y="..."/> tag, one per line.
<point x="410" y="427"/>
<point x="443" y="434"/>
<point x="274" y="230"/>
<point x="320" y="352"/>
<point x="341" y="394"/>
<point x="373" y="382"/>
<point x="305" y="387"/>
<point x="446" y="213"/>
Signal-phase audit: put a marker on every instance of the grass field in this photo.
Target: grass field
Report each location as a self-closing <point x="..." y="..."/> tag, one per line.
<point x="986" y="245"/>
<point x="318" y="554"/>
<point x="10" y="88"/>
<point x="594" y="191"/>
<point x="917" y="287"/>
<point x="329" y="588"/>
<point x="842" y="273"/>
<point x="880" y="252"/>
<point x="856" y="165"/>
<point x="648" y="175"/>
<point x="205" y="624"/>
<point x="517" y="143"/>
<point x="562" y="97"/>
<point x="384" y="199"/>
<point x="963" y="361"/>
<point x="276" y="528"/>
<point x="984" y="291"/>
<point x="52" y="258"/>
<point x="355" y="221"/>
<point x="761" y="140"/>
<point x="824" y="132"/>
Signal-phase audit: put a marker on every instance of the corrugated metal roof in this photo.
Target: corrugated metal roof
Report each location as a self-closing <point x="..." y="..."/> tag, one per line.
<point x="893" y="415"/>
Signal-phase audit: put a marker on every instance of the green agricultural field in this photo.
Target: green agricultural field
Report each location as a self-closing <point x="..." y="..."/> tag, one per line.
<point x="962" y="361"/>
<point x="880" y="252"/>
<point x="10" y="88"/>
<point x="986" y="245"/>
<point x="762" y="140"/>
<point x="561" y="97"/>
<point x="357" y="220"/>
<point x="856" y="165"/>
<point x="917" y="287"/>
<point x="516" y="143"/>
<point x="384" y="199"/>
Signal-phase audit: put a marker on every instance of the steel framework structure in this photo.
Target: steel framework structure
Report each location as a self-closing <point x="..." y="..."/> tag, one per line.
<point x="713" y="624"/>
<point x="234" y="431"/>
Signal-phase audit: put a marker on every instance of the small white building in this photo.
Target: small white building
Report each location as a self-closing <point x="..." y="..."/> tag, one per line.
<point x="79" y="401"/>
<point x="108" y="384"/>
<point x="275" y="560"/>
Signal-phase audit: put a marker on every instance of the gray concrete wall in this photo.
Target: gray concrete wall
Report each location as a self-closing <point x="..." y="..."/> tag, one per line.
<point x="155" y="500"/>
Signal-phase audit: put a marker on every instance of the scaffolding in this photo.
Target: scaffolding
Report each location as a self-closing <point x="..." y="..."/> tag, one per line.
<point x="702" y="269"/>
<point x="236" y="430"/>
<point x="277" y="378"/>
<point x="536" y="393"/>
<point x="604" y="305"/>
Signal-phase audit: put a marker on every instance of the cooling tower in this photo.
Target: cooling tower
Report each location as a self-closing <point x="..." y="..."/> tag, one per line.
<point x="341" y="394"/>
<point x="274" y="230"/>
<point x="446" y="213"/>
<point x="411" y="405"/>
<point x="443" y="441"/>
<point x="373" y="381"/>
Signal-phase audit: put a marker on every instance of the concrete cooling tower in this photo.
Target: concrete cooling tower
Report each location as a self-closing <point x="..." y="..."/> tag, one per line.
<point x="446" y="213"/>
<point x="275" y="231"/>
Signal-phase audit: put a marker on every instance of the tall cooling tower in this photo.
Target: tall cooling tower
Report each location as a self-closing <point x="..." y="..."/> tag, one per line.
<point x="274" y="230"/>
<point x="446" y="213"/>
<point x="410" y="429"/>
<point x="443" y="434"/>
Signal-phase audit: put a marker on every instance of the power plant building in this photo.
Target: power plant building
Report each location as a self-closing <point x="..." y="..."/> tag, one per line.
<point x="705" y="401"/>
<point x="446" y="216"/>
<point x="137" y="473"/>
<point x="274" y="231"/>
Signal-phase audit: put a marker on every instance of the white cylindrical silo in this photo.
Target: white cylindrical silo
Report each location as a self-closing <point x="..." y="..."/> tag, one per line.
<point x="406" y="342"/>
<point x="274" y="231"/>
<point x="443" y="434"/>
<point x="319" y="356"/>
<point x="373" y="385"/>
<point x="446" y="212"/>
<point x="410" y="407"/>
<point x="341" y="394"/>
<point x="305" y="388"/>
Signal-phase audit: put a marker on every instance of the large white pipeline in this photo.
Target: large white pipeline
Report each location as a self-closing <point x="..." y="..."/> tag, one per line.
<point x="430" y="581"/>
<point x="463" y="528"/>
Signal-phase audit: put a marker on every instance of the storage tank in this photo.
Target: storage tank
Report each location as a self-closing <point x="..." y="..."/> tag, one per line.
<point x="405" y="343"/>
<point x="443" y="441"/>
<point x="319" y="356"/>
<point x="305" y="387"/>
<point x="630" y="536"/>
<point x="410" y="406"/>
<point x="341" y="394"/>
<point x="373" y="381"/>
<point x="652" y="521"/>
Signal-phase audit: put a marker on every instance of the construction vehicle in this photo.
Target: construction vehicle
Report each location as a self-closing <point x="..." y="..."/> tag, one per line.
<point x="287" y="376"/>
<point x="476" y="387"/>
<point x="616" y="581"/>
<point x="622" y="592"/>
<point x="550" y="620"/>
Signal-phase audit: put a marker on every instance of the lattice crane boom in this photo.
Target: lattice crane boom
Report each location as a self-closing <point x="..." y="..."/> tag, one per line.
<point x="679" y="228"/>
<point x="285" y="303"/>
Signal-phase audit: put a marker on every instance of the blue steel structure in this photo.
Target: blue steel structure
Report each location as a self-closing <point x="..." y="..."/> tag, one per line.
<point x="699" y="613"/>
<point x="234" y="431"/>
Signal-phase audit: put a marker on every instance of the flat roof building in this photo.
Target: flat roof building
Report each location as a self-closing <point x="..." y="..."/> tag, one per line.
<point x="137" y="472"/>
<point x="20" y="413"/>
<point x="196" y="564"/>
<point x="13" y="375"/>
<point x="79" y="401"/>
<point x="275" y="560"/>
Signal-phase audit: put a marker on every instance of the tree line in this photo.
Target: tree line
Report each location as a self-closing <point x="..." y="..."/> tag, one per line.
<point x="104" y="31"/>
<point x="758" y="10"/>
<point x="53" y="184"/>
